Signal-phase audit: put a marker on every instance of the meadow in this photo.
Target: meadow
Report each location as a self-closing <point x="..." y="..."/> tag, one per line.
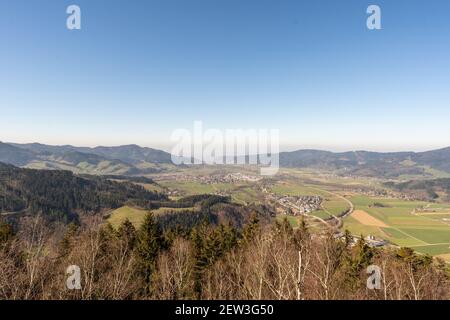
<point x="242" y="193"/>
<point x="135" y="215"/>
<point x="405" y="225"/>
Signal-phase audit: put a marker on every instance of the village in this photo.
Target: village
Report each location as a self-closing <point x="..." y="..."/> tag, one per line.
<point x="298" y="205"/>
<point x="284" y="205"/>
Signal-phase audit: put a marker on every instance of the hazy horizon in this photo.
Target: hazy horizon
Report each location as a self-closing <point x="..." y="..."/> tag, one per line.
<point x="167" y="148"/>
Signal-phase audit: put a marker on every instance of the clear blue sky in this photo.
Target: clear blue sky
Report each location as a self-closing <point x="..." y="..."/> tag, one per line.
<point x="140" y="69"/>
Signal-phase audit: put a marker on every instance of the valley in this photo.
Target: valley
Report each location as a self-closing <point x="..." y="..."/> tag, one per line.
<point x="396" y="210"/>
<point x="364" y="206"/>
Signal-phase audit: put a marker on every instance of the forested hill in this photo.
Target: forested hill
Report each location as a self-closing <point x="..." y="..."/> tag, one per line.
<point x="62" y="195"/>
<point x="424" y="189"/>
<point x="121" y="160"/>
<point x="364" y="163"/>
<point x="132" y="160"/>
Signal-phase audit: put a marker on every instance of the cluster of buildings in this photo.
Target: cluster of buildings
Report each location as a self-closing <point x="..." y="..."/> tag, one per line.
<point x="383" y="193"/>
<point x="301" y="204"/>
<point x="370" y="240"/>
<point x="226" y="178"/>
<point x="210" y="179"/>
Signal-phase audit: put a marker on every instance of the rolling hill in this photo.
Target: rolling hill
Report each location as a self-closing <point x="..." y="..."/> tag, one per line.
<point x="62" y="195"/>
<point x="120" y="160"/>
<point x="364" y="163"/>
<point x="16" y="156"/>
<point x="133" y="154"/>
<point x="135" y="160"/>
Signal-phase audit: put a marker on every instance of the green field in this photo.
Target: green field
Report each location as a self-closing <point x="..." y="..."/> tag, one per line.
<point x="242" y="193"/>
<point x="152" y="187"/>
<point x="320" y="214"/>
<point x="293" y="189"/>
<point x="434" y="250"/>
<point x="293" y="221"/>
<point x="245" y="195"/>
<point x="190" y="187"/>
<point x="424" y="233"/>
<point x="136" y="216"/>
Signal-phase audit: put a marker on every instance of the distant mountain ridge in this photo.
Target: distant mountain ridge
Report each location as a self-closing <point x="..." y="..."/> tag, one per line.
<point x="127" y="153"/>
<point x="135" y="160"/>
<point x="12" y="155"/>
<point x="133" y="154"/>
<point x="365" y="163"/>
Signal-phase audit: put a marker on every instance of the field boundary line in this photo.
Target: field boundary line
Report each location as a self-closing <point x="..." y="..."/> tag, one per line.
<point x="432" y="244"/>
